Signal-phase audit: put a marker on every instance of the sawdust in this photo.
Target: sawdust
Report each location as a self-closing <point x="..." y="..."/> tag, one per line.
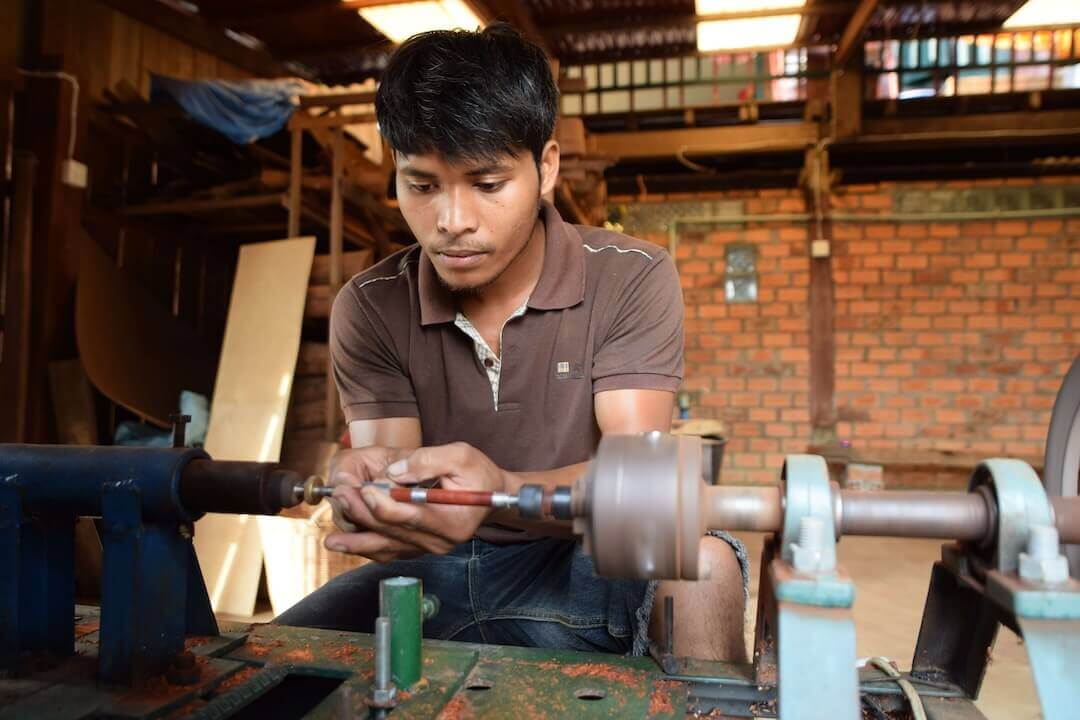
<point x="661" y="701"/>
<point x="633" y="679"/>
<point x="194" y="642"/>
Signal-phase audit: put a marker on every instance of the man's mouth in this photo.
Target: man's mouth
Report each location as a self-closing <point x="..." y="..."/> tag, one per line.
<point x="459" y="259"/>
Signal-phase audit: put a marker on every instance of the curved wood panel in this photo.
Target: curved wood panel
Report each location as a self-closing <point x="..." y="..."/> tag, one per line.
<point x="134" y="351"/>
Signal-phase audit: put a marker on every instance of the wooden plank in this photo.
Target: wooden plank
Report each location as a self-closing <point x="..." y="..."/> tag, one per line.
<point x="125" y="51"/>
<point x="851" y="39"/>
<point x="251" y="396"/>
<point x="773" y="137"/>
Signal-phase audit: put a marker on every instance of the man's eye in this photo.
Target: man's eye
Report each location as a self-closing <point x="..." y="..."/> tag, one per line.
<point x="490" y="186"/>
<point x="420" y="187"/>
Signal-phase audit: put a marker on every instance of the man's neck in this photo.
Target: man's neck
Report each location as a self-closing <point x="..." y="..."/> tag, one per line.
<point x="514" y="285"/>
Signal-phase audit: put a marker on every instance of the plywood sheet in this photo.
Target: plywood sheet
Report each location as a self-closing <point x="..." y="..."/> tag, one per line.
<point x="251" y="396"/>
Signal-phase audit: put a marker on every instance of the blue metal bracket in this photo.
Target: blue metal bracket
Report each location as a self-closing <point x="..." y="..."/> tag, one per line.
<point x="815" y="633"/>
<point x="37" y="593"/>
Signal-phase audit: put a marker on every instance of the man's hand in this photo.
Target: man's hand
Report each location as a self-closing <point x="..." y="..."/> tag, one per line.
<point x="382" y="529"/>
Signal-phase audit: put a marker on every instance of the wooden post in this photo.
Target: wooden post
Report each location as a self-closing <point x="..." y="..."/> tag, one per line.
<point x="15" y="360"/>
<point x="296" y="171"/>
<point x="822" y="301"/>
<point x="336" y="225"/>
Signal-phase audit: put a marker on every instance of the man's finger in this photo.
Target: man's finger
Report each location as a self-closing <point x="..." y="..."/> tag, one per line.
<point x="428" y="462"/>
<point x="406" y="522"/>
<point x="340" y="521"/>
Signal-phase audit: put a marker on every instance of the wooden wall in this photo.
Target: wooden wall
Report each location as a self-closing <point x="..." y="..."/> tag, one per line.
<point x="101" y="47"/>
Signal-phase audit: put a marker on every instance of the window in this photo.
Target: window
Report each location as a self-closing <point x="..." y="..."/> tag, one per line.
<point x="740" y="274"/>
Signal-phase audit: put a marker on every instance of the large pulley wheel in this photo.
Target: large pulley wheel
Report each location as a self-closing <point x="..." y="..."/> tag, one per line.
<point x="1061" y="470"/>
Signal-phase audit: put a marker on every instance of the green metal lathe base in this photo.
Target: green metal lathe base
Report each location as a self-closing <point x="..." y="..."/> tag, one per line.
<point x="332" y="672"/>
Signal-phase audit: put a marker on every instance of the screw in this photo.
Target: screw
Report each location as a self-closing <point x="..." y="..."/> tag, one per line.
<point x="1043" y="561"/>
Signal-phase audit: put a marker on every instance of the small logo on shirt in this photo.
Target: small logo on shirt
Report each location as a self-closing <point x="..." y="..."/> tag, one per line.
<point x="565" y="370"/>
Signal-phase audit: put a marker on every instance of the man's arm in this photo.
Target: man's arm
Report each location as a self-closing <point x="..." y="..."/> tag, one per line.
<point x="618" y="412"/>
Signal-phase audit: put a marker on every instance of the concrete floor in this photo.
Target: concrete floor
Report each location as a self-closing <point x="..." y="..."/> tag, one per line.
<point x="891" y="578"/>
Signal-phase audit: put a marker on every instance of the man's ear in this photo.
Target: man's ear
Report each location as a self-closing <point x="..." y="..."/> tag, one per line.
<point x="549" y="168"/>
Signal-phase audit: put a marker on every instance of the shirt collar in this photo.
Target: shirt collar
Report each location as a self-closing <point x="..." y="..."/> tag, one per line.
<point x="561" y="284"/>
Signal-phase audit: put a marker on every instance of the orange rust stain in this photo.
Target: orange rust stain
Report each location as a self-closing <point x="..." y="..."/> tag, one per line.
<point x="237" y="678"/>
<point x="261" y="648"/>
<point x="86" y="627"/>
<point x="297" y="655"/>
<point x="346" y="653"/>
<point x="459" y="708"/>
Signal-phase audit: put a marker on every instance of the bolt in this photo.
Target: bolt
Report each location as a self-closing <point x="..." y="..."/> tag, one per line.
<point x="807" y="552"/>
<point x="383" y="692"/>
<point x="1043" y="561"/>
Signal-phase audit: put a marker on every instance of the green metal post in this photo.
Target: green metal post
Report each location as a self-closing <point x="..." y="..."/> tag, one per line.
<point x="402" y="600"/>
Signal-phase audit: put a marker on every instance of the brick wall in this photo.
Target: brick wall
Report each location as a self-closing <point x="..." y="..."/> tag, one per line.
<point x="950" y="337"/>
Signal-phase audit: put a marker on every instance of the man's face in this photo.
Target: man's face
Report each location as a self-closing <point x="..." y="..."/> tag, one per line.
<point x="472" y="218"/>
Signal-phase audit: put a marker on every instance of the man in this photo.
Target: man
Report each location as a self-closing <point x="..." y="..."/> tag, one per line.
<point x="494" y="353"/>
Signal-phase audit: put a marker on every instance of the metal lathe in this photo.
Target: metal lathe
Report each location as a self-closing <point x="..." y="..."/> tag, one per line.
<point x="154" y="648"/>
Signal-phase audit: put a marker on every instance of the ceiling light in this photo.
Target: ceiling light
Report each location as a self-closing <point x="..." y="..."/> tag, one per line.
<point x="726" y="7"/>
<point x="1040" y="13"/>
<point x="403" y="20"/>
<point x="762" y="32"/>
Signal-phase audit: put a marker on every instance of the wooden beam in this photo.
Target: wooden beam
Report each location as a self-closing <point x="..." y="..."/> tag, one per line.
<point x="759" y="138"/>
<point x="627" y="21"/>
<point x="846" y="98"/>
<point x="517" y="14"/>
<point x="984" y="126"/>
<point x="337" y="99"/>
<point x="331" y="120"/>
<point x="296" y="172"/>
<point x="821" y="301"/>
<point x="199" y="33"/>
<point x="184" y="207"/>
<point x="852" y="36"/>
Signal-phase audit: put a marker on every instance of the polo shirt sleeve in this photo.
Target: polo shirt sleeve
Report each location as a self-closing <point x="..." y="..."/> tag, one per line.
<point x="643" y="346"/>
<point x="370" y="377"/>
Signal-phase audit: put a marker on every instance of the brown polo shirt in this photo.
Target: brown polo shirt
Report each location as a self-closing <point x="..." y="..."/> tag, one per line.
<point x="606" y="314"/>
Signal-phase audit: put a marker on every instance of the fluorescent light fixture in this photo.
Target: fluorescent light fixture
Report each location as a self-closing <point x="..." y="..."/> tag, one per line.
<point x="1041" y="13"/>
<point x="716" y="7"/>
<point x="401" y="21"/>
<point x="761" y="32"/>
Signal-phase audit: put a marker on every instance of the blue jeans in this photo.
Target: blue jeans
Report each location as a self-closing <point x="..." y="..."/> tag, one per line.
<point x="542" y="593"/>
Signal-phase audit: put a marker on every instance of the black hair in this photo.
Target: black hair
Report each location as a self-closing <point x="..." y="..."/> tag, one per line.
<point x="468" y="95"/>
